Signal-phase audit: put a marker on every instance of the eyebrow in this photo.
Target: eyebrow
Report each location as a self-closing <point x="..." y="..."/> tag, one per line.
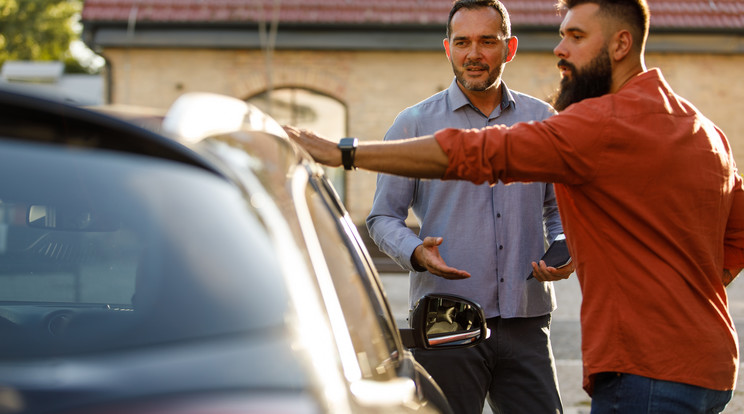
<point x="569" y="30"/>
<point x="496" y="37"/>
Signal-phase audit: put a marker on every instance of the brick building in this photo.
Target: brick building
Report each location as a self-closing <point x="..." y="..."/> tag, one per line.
<point x="347" y="67"/>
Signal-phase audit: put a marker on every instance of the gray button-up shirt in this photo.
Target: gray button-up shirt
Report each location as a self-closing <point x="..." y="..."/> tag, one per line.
<point x="492" y="232"/>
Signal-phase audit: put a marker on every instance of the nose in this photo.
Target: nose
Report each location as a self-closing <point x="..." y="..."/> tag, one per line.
<point x="474" y="50"/>
<point x="559" y="50"/>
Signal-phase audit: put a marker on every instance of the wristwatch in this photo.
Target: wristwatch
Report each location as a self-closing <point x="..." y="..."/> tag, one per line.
<point x="348" y="148"/>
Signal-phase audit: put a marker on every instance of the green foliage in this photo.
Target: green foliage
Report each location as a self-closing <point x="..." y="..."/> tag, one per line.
<point x="73" y="65"/>
<point x="38" y="29"/>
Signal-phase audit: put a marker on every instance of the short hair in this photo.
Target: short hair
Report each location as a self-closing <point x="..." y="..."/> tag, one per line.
<point x="477" y="4"/>
<point x="635" y="13"/>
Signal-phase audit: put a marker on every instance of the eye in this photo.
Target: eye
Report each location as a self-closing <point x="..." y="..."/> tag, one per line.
<point x="576" y="35"/>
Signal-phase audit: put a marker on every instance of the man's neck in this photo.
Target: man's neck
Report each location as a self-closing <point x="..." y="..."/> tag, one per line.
<point x="625" y="72"/>
<point x="486" y="101"/>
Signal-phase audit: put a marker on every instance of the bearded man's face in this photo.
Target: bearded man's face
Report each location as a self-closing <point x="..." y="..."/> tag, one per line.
<point x="593" y="80"/>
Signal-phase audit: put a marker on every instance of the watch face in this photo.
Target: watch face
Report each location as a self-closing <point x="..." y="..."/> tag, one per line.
<point x="347" y="143"/>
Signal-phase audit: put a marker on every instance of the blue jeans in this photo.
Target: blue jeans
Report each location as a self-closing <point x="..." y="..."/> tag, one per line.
<point x="618" y="393"/>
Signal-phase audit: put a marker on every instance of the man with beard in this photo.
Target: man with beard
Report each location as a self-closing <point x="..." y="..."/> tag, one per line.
<point x="651" y="202"/>
<point x="478" y="241"/>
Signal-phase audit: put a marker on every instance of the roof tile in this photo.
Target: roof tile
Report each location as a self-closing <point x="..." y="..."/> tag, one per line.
<point x="684" y="14"/>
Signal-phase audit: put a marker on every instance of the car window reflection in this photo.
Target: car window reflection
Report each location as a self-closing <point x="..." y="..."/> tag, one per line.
<point x="367" y="326"/>
<point x="101" y="251"/>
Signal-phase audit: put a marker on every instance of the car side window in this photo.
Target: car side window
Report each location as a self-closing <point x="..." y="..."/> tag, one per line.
<point x="367" y="321"/>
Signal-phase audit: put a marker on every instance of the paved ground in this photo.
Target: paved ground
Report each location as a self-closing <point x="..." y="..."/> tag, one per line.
<point x="566" y="336"/>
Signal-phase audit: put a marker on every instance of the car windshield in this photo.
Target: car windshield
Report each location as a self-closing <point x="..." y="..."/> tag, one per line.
<point x="102" y="250"/>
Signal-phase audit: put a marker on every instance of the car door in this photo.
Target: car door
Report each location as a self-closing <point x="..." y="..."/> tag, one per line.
<point x="374" y="335"/>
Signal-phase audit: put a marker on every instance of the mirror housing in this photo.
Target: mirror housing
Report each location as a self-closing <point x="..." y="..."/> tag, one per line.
<point x="444" y="321"/>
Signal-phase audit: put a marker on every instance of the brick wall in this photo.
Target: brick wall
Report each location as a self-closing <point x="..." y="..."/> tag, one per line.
<point x="375" y="86"/>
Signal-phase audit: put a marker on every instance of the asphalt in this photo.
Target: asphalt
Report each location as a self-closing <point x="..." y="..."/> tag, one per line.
<point x="566" y="336"/>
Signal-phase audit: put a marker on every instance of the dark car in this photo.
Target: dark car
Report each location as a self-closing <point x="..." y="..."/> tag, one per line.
<point x="202" y="264"/>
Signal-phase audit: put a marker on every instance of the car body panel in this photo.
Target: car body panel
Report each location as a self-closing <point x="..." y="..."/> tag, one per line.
<point x="148" y="264"/>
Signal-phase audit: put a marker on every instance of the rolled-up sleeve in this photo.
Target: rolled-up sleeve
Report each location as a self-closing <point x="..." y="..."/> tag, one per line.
<point x="470" y="153"/>
<point x="559" y="149"/>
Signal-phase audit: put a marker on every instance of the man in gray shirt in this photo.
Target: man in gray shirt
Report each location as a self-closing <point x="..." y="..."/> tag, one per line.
<point x="478" y="241"/>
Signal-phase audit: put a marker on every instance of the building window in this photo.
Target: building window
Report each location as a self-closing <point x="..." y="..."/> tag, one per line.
<point x="308" y="109"/>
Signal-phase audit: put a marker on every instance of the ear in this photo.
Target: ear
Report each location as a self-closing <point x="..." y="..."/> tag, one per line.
<point x="621" y="45"/>
<point x="446" y="44"/>
<point x="512" y="46"/>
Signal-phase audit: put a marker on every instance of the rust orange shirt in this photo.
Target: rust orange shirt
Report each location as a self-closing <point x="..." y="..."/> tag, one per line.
<point x="653" y="209"/>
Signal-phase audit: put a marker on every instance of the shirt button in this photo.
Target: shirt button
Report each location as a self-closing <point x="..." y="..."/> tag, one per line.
<point x="501" y="247"/>
<point x="502" y="279"/>
<point x="498" y="215"/>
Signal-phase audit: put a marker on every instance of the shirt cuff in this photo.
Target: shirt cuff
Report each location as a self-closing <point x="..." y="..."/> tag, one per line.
<point x="407" y="248"/>
<point x="467" y="155"/>
<point x="447" y="140"/>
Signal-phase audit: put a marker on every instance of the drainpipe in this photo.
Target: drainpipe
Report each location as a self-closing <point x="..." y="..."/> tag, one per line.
<point x="268" y="43"/>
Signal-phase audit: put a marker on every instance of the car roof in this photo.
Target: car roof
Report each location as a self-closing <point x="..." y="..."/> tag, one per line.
<point x="31" y="117"/>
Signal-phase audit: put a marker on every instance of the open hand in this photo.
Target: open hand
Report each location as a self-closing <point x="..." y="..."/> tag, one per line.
<point x="427" y="255"/>
<point x="545" y="273"/>
<point x="321" y="149"/>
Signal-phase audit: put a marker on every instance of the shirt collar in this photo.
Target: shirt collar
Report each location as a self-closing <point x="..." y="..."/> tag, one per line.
<point x="457" y="98"/>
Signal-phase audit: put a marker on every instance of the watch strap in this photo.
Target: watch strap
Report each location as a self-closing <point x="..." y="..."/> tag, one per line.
<point x="348" y="148"/>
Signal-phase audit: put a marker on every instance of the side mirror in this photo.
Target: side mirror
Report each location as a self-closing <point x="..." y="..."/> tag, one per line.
<point x="443" y="321"/>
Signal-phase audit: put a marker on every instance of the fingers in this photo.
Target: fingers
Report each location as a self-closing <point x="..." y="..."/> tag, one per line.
<point x="292" y="132"/>
<point x="449" y="273"/>
<point x="435" y="264"/>
<point x="545" y="273"/>
<point x="432" y="241"/>
<point x="321" y="149"/>
<point x="298" y="134"/>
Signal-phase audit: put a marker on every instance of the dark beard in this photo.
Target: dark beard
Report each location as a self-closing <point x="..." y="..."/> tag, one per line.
<point x="595" y="80"/>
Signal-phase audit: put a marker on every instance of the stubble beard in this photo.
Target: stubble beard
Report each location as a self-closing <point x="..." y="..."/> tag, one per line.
<point x="493" y="79"/>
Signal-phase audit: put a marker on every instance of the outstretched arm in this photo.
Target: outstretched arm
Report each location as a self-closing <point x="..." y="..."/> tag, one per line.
<point x="420" y="157"/>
